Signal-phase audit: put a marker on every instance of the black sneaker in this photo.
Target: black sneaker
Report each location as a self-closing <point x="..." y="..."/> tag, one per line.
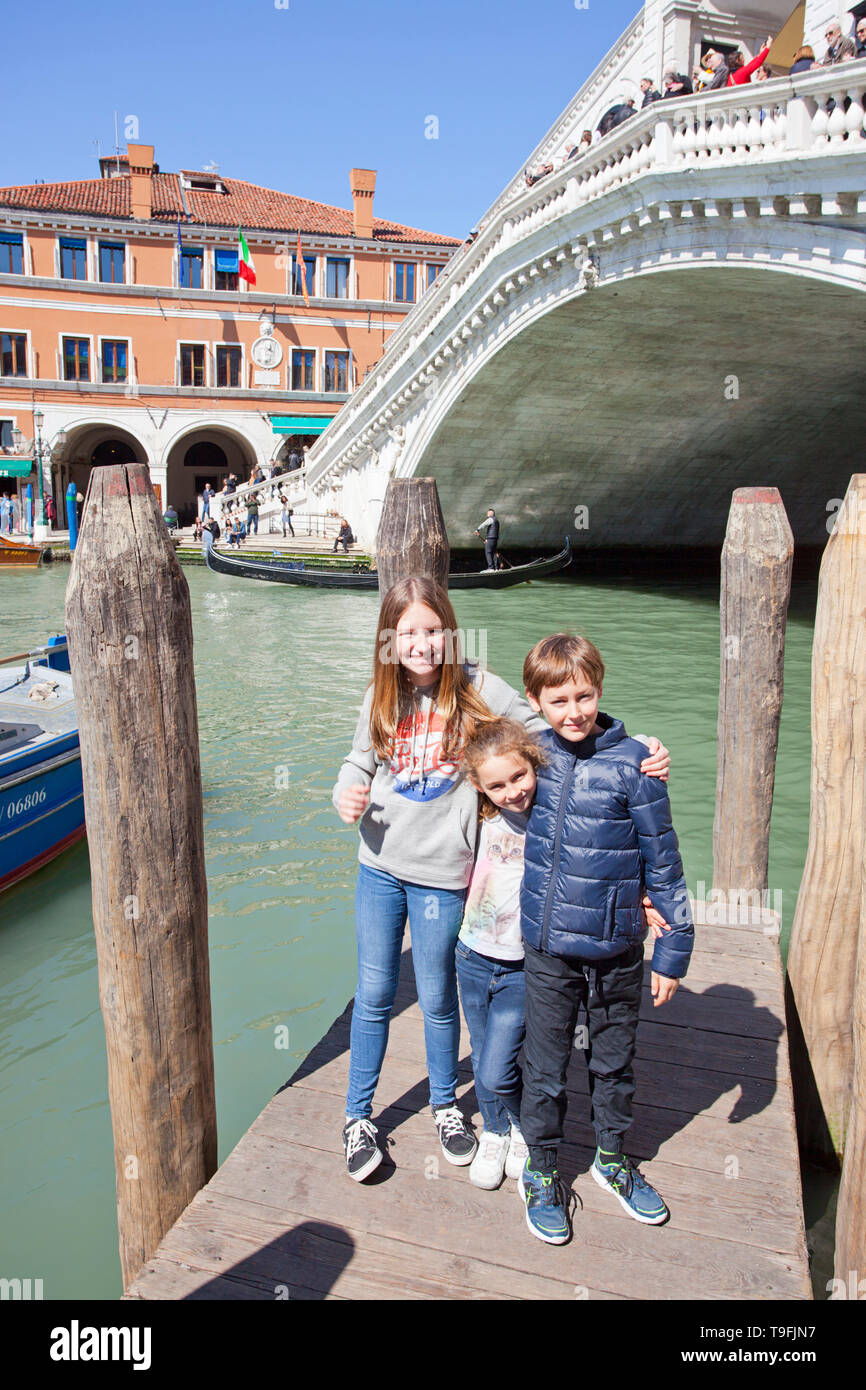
<point x="363" y="1154"/>
<point x="457" y="1140"/>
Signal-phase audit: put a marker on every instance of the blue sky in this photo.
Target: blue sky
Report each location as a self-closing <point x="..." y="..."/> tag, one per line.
<point x="293" y="98"/>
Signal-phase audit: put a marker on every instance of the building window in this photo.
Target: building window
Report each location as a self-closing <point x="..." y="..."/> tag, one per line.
<point x="336" y="371"/>
<point x="73" y="258"/>
<point x="7" y="439"/>
<point x="303" y="369"/>
<point x="13" y="347"/>
<point x="11" y="253"/>
<point x="432" y="272"/>
<point x="112" y="262"/>
<point x="192" y="364"/>
<point x="404" y="280"/>
<point x="225" y="270"/>
<point x="307" y="276"/>
<point x="114" y="356"/>
<point x="192" y="268"/>
<point x="338" y="279"/>
<point x="228" y="364"/>
<point x="76" y="359"/>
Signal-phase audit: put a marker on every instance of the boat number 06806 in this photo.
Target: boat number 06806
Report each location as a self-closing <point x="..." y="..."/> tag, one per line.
<point x="16" y="808"/>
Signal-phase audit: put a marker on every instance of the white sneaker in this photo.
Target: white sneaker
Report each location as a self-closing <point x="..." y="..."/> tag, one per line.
<point x="488" y="1165"/>
<point x="518" y="1153"/>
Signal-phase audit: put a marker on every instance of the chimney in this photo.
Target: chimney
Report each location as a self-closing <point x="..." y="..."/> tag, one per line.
<point x="140" y="181"/>
<point x="363" y="185"/>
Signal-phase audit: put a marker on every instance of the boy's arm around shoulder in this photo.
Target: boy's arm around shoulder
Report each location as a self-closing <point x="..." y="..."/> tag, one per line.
<point x="504" y="700"/>
<point x="359" y="765"/>
<point x="650" y="810"/>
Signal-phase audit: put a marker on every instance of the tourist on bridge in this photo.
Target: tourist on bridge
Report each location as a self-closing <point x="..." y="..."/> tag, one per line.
<point x="741" y="72"/>
<point x="861" y="38"/>
<point x="649" y="92"/>
<point x="839" y="48"/>
<point x="491" y="539"/>
<point x="804" y="59"/>
<point x="712" y="74"/>
<point x="206" y="496"/>
<point x="231" y="484"/>
<point x="676" y="84"/>
<point x="286" y="515"/>
<point x="623" y="111"/>
<point x="252" y="514"/>
<point x="50" y="512"/>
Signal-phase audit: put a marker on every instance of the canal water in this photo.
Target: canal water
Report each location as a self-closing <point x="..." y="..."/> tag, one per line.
<point x="280" y="674"/>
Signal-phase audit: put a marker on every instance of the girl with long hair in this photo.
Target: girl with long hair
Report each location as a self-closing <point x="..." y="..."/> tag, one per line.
<point x="403" y="781"/>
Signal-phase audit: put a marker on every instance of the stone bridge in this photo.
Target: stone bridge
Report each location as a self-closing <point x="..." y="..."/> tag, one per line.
<point x="676" y="313"/>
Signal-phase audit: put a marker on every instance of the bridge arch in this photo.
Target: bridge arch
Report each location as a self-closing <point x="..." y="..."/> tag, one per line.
<point x="655" y="394"/>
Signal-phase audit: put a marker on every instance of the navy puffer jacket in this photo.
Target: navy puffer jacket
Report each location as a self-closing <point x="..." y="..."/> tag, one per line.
<point x="599" y="836"/>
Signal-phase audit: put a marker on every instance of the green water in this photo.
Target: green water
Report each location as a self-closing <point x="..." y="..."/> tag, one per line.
<point x="280" y="674"/>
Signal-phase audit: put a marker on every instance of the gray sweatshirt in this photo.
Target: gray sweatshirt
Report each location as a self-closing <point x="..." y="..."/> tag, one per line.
<point x="422" y="820"/>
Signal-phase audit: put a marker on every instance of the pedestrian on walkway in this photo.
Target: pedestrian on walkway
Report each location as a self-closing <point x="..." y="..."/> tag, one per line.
<point x="205" y="501"/>
<point x="287" y="515"/>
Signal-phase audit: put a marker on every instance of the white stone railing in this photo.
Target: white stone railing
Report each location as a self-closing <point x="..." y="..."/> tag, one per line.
<point x="293" y="485"/>
<point x="785" y="120"/>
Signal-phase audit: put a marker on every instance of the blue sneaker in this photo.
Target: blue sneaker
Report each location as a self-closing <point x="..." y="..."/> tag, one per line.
<point x="546" y="1205"/>
<point x="631" y="1188"/>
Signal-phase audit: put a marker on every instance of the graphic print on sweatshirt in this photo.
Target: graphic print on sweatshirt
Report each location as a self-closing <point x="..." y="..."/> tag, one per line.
<point x="416" y="763"/>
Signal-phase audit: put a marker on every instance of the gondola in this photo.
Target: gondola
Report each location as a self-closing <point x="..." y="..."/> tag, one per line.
<point x="289" y="572"/>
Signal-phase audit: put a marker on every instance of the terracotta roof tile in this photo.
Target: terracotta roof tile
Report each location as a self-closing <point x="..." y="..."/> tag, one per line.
<point x="241" y="204"/>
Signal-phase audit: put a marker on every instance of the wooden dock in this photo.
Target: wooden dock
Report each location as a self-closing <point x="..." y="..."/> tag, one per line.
<point x="714" y="1130"/>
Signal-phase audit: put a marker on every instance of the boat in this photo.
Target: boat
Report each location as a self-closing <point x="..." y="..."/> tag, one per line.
<point x="15" y="552"/>
<point x="41" y="793"/>
<point x="282" y="571"/>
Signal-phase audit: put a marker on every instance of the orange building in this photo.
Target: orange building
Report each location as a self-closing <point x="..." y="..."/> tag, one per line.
<point x="125" y="329"/>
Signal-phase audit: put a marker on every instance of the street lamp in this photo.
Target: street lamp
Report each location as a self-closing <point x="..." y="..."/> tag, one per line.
<point x="39" y="532"/>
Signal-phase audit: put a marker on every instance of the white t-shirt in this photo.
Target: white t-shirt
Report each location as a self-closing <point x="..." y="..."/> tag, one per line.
<point x="491" y="917"/>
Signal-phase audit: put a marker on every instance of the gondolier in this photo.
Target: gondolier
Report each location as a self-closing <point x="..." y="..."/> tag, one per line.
<point x="491" y="540"/>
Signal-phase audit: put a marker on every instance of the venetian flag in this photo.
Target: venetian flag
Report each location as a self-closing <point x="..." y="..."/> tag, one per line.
<point x="301" y="270"/>
<point x="246" y="269"/>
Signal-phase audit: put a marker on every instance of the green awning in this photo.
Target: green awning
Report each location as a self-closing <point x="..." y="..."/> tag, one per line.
<point x="15" y="468"/>
<point x="300" y="424"/>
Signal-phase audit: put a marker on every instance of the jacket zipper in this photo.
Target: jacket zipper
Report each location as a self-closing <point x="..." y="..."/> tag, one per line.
<point x="557" y="845"/>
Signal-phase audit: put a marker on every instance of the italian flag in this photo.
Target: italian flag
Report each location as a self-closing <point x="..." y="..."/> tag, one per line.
<point x="246" y="269"/>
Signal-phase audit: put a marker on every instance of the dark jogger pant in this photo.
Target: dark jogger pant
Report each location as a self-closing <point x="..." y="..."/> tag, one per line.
<point x="556" y="989"/>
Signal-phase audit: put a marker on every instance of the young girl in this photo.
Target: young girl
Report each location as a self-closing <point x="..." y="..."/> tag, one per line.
<point x="501" y="761"/>
<point x="404" y="781"/>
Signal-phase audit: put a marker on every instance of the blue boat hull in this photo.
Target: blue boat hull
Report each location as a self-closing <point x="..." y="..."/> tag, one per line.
<point x="41" y="814"/>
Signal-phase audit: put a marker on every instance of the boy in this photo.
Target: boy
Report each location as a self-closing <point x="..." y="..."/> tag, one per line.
<point x="598" y="831"/>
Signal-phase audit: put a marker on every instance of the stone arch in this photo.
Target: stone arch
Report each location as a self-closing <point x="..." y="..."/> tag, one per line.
<point x="188" y="466"/>
<point x="647" y="401"/>
<point x="89" y="444"/>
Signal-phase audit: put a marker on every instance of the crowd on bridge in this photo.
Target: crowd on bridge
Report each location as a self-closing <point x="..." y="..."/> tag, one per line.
<point x="716" y="69"/>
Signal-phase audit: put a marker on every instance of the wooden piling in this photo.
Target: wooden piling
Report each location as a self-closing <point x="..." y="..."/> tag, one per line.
<point x="130" y="640"/>
<point x="756" y="584"/>
<point x="411" y="539"/>
<point x="823" y="950"/>
<point x="851" y="1205"/>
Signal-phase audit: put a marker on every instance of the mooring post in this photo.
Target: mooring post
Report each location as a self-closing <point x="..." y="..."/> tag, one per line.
<point x="411" y="539"/>
<point x="850" y="1261"/>
<point x="129" y="628"/>
<point x="756" y="584"/>
<point x="823" y="950"/>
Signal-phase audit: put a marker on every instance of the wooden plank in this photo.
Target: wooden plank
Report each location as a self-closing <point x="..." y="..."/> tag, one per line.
<point x="440" y="1213"/>
<point x="736" y="1193"/>
<point x="283" y="1248"/>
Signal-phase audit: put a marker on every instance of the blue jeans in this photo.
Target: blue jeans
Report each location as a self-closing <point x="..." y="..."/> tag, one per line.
<point x="253" y="522"/>
<point x="382" y="903"/>
<point x="491" y="992"/>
